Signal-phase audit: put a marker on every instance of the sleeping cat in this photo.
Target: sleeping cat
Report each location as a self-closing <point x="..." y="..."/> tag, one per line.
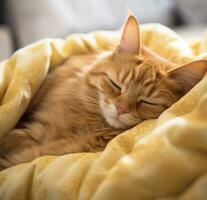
<point x="90" y="99"/>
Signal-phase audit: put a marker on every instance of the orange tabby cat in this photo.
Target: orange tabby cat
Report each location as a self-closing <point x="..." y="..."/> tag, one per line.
<point x="92" y="98"/>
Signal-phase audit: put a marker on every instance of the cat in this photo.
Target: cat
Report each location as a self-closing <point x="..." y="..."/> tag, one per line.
<point x="91" y="98"/>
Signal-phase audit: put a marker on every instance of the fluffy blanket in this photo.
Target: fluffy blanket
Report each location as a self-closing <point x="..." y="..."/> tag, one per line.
<point x="164" y="158"/>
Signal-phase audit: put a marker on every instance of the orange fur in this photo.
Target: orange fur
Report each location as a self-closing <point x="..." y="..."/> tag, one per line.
<point x="90" y="99"/>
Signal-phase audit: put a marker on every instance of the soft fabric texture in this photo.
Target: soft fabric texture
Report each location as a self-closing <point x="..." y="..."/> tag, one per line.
<point x="158" y="159"/>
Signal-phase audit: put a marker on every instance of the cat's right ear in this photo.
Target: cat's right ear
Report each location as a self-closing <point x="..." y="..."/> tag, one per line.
<point x="188" y="74"/>
<point x="130" y="37"/>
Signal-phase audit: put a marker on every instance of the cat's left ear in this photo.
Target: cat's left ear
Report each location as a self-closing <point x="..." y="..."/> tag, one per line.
<point x="130" y="38"/>
<point x="188" y="75"/>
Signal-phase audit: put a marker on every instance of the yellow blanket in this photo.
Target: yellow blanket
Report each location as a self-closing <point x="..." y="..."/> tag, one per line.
<point x="164" y="158"/>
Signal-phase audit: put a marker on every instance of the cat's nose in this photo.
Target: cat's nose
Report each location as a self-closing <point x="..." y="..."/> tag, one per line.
<point x="121" y="109"/>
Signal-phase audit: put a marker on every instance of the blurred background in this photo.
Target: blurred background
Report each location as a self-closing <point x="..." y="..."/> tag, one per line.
<point x="26" y="21"/>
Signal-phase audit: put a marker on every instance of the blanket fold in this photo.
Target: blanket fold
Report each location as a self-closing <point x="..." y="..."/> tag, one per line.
<point x="164" y="158"/>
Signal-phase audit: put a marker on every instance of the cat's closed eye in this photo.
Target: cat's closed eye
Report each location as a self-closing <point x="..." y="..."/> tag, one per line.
<point x="149" y="103"/>
<point x="153" y="104"/>
<point x="115" y="85"/>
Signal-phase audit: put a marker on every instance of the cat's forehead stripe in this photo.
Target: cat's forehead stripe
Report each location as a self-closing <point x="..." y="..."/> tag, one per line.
<point x="123" y="75"/>
<point x="149" y="90"/>
<point x="129" y="78"/>
<point x="149" y="81"/>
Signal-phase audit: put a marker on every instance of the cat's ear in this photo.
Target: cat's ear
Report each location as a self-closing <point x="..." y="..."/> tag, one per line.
<point x="130" y="37"/>
<point x="189" y="74"/>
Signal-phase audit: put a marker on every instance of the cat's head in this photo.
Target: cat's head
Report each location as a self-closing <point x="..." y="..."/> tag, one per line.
<point x="135" y="84"/>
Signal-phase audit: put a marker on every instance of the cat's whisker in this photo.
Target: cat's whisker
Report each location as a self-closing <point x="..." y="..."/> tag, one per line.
<point x="91" y="100"/>
<point x="88" y="92"/>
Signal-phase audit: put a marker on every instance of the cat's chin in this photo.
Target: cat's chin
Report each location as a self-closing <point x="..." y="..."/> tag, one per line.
<point x="116" y="123"/>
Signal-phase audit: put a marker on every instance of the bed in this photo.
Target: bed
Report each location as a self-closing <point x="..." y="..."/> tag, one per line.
<point x="164" y="158"/>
